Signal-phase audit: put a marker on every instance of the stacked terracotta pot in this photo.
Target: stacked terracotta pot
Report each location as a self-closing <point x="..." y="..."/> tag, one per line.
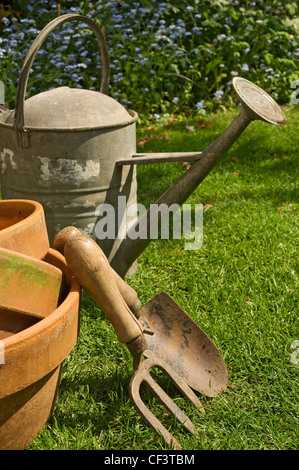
<point x="39" y="322"/>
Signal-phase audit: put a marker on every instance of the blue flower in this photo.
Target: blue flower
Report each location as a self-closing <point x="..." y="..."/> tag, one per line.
<point x="199" y="105"/>
<point x="218" y="94"/>
<point x="196" y="30"/>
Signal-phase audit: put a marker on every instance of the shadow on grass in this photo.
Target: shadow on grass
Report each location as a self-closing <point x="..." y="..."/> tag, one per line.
<point x="257" y="164"/>
<point x="99" y="401"/>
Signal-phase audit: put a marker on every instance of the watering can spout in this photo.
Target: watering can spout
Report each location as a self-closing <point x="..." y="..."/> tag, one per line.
<point x="256" y="104"/>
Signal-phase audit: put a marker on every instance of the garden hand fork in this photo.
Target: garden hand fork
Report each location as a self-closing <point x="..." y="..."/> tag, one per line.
<point x="91" y="269"/>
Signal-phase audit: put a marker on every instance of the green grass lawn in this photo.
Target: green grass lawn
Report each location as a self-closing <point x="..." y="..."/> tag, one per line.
<point x="240" y="287"/>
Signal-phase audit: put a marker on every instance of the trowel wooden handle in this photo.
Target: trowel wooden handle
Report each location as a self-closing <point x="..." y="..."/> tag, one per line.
<point x="127" y="292"/>
<point x="92" y="271"/>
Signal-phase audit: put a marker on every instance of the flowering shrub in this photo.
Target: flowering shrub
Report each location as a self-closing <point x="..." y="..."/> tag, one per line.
<point x="166" y="57"/>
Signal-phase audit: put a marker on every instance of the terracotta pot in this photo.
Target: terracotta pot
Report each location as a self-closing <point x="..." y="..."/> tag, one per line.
<point x="32" y="361"/>
<point x="23" y="227"/>
<point x="28" y="284"/>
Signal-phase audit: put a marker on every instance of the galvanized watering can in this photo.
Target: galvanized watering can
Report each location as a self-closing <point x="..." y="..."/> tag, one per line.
<point x="73" y="150"/>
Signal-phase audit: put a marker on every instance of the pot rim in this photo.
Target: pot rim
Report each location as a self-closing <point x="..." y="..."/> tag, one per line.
<point x="12" y="237"/>
<point x="34" y="352"/>
<point x="72" y="297"/>
<point x="38" y="209"/>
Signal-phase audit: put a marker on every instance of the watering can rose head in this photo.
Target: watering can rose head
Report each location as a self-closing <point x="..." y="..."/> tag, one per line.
<point x="257" y="104"/>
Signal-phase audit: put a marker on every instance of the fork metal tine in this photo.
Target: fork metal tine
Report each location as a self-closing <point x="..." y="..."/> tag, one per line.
<point x="142" y="374"/>
<point x="169" y="404"/>
<point x="146" y="414"/>
<point x="154" y="361"/>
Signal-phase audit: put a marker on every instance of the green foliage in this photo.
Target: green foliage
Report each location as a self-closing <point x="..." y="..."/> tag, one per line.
<point x="7" y="11"/>
<point x="166" y="57"/>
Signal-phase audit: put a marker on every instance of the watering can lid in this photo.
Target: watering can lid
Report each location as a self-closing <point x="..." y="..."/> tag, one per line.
<point x="67" y="108"/>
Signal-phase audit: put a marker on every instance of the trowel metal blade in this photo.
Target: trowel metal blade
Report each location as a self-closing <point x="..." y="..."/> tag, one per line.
<point x="172" y="335"/>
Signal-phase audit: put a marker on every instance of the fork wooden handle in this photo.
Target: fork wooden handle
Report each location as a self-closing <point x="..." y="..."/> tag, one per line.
<point x="128" y="293"/>
<point x="92" y="270"/>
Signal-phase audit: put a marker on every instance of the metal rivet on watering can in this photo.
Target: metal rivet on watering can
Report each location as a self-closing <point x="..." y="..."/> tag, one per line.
<point x="74" y="149"/>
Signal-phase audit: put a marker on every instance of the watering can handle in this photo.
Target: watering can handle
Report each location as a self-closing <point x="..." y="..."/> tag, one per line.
<point x="33" y="50"/>
<point x="92" y="271"/>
